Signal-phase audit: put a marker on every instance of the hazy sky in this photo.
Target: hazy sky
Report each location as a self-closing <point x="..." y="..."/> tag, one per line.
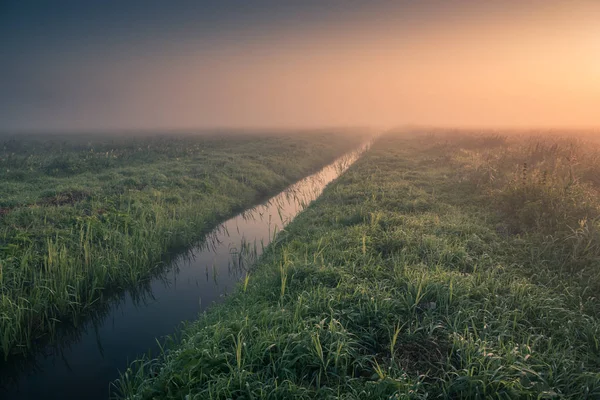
<point x="182" y="64"/>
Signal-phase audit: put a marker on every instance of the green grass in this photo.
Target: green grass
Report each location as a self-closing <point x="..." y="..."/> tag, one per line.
<point x="83" y="216"/>
<point x="411" y="278"/>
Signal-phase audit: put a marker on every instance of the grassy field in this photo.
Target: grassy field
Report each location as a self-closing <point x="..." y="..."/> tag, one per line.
<point x="444" y="265"/>
<point x="81" y="215"/>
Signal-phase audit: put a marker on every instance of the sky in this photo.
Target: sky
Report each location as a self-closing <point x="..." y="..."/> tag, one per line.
<point x="147" y="64"/>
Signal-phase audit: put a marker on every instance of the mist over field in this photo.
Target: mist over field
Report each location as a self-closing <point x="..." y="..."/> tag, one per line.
<point x="151" y="65"/>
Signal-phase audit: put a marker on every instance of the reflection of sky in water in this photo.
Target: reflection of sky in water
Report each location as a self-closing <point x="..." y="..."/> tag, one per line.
<point x="85" y="369"/>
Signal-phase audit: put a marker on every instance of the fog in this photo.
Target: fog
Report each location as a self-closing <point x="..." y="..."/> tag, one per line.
<point x="517" y="64"/>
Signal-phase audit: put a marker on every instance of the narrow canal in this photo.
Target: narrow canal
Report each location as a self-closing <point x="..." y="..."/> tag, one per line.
<point x="84" y="367"/>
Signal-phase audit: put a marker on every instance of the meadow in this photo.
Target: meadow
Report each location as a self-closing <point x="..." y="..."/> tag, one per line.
<point x="82" y="216"/>
<point x="443" y="264"/>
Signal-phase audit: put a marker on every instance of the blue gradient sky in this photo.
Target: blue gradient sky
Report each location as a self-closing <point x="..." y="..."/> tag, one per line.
<point x="89" y="65"/>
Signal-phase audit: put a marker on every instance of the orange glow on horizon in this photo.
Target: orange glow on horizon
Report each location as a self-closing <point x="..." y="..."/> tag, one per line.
<point x="536" y="66"/>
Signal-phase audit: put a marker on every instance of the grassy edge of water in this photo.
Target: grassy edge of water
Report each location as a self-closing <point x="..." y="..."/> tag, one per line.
<point x="396" y="283"/>
<point x="170" y="229"/>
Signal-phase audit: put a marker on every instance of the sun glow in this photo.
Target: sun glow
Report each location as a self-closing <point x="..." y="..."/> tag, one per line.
<point x="537" y="63"/>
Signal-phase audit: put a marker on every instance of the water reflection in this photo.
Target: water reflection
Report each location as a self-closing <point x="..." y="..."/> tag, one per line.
<point x="86" y="358"/>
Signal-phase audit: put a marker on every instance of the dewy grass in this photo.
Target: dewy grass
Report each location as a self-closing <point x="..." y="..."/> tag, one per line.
<point x="406" y="279"/>
<point x="83" y="215"/>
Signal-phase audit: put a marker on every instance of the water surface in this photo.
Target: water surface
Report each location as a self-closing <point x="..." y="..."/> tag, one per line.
<point x="128" y="327"/>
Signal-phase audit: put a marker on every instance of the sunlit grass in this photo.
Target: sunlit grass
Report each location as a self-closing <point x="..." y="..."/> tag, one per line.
<point x="409" y="278"/>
